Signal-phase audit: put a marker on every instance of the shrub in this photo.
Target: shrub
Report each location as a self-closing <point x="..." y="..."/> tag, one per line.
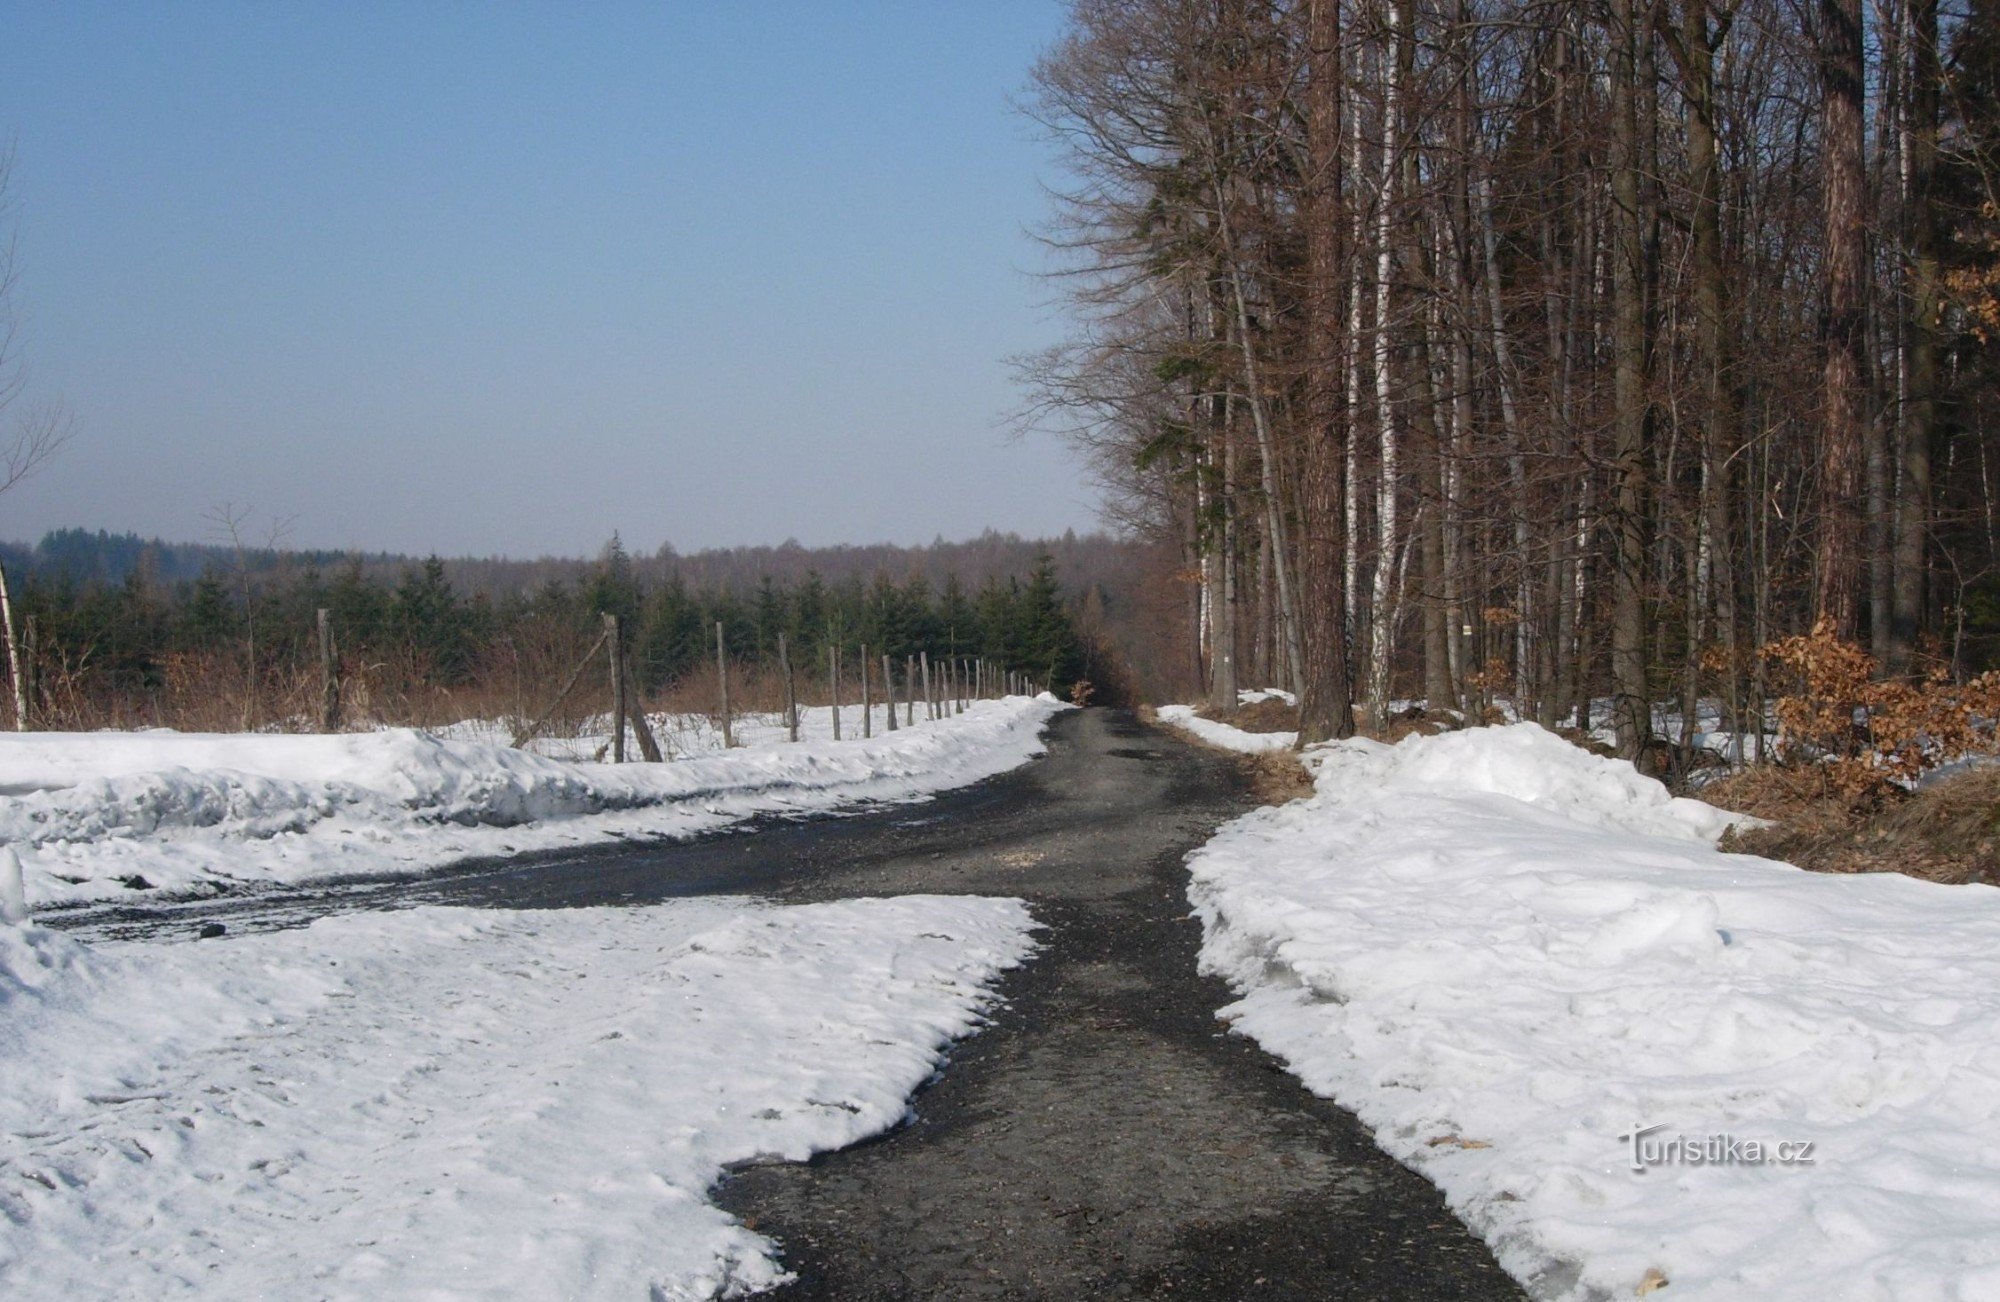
<point x="1863" y="732"/>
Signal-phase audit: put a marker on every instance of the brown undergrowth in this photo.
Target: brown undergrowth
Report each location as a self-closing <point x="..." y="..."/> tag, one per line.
<point x="1275" y="777"/>
<point x="1948" y="830"/>
<point x="1856" y="786"/>
<point x="1270" y="715"/>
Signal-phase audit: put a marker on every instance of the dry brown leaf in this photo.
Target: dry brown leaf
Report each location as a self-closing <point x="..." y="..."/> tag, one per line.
<point x="1458" y="1141"/>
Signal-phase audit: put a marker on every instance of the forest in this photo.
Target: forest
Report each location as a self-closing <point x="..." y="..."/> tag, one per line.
<point x="1570" y="353"/>
<point x="118" y="631"/>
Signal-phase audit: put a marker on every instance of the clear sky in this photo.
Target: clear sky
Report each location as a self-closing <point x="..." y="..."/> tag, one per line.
<point x="501" y="278"/>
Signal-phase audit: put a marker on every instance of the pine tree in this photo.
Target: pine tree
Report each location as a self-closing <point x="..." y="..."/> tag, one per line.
<point x="614" y="589"/>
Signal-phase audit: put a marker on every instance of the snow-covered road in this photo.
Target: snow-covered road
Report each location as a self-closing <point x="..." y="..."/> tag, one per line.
<point x="439" y="1101"/>
<point x="458" y="1103"/>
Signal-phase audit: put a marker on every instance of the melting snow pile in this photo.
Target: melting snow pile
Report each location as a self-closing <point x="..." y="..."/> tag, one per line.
<point x="96" y="814"/>
<point x="1508" y="956"/>
<point x="1228" y="736"/>
<point x="458" y="1103"/>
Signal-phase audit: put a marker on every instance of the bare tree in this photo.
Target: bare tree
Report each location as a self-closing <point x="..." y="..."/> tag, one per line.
<point x="228" y="522"/>
<point x="38" y="430"/>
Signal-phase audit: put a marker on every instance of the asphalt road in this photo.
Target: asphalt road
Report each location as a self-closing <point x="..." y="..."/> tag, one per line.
<point x="1105" y="1136"/>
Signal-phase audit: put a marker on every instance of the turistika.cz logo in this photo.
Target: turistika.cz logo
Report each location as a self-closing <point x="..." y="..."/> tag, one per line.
<point x="1645" y="1148"/>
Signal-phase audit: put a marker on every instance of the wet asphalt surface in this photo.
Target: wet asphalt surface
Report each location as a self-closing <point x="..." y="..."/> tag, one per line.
<point x="1105" y="1135"/>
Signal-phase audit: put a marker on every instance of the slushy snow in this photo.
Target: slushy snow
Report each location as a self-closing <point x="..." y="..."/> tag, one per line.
<point x="1507" y="955"/>
<point x="97" y="815"/>
<point x="454" y="1103"/>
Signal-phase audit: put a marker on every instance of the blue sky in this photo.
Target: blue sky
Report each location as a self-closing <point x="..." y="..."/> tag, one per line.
<point x="503" y="278"/>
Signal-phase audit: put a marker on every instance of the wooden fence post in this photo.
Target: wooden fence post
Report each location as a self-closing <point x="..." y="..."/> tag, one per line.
<point x="329" y="678"/>
<point x="791" y="689"/>
<point x="635" y="709"/>
<point x="722" y="680"/>
<point x="833" y="683"/>
<point x="889" y="691"/>
<point x="930" y="698"/>
<point x="909" y="691"/>
<point x="867" y="706"/>
<point x="614" y="643"/>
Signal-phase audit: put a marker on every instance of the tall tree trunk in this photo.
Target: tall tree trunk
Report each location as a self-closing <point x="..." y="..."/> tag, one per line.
<point x="1224" y="694"/>
<point x="1382" y="615"/>
<point x="1701" y="33"/>
<point x="1919" y="416"/>
<point x="1844" y="145"/>
<point x="1632" y="713"/>
<point x="1326" y="700"/>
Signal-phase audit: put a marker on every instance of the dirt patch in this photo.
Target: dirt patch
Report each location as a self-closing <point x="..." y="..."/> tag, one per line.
<point x="1275" y="777"/>
<point x="1268" y="715"/>
<point x="1416" y="721"/>
<point x="1948" y="831"/>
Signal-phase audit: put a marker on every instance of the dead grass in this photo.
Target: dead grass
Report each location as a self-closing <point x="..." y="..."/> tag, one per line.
<point x="1948" y="831"/>
<point x="1416" y="721"/>
<point x="1275" y="777"/>
<point x="1269" y="715"/>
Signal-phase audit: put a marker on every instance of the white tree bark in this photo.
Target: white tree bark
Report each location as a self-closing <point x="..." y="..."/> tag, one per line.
<point x="1382" y="616"/>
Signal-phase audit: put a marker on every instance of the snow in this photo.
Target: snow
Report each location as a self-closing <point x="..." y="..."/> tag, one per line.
<point x="1505" y="954"/>
<point x="96" y="815"/>
<point x="1224" y="735"/>
<point x="455" y="1103"/>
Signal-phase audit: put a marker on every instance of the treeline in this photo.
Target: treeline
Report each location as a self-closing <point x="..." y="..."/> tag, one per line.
<point x="239" y="647"/>
<point x="1563" y="351"/>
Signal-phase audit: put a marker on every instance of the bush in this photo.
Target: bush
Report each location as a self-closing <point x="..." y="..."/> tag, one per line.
<point x="1864" y="733"/>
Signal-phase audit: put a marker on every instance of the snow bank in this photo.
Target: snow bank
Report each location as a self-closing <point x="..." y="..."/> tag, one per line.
<point x="1222" y="734"/>
<point x="458" y="1103"/>
<point x="97" y="814"/>
<point x="1507" y="956"/>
